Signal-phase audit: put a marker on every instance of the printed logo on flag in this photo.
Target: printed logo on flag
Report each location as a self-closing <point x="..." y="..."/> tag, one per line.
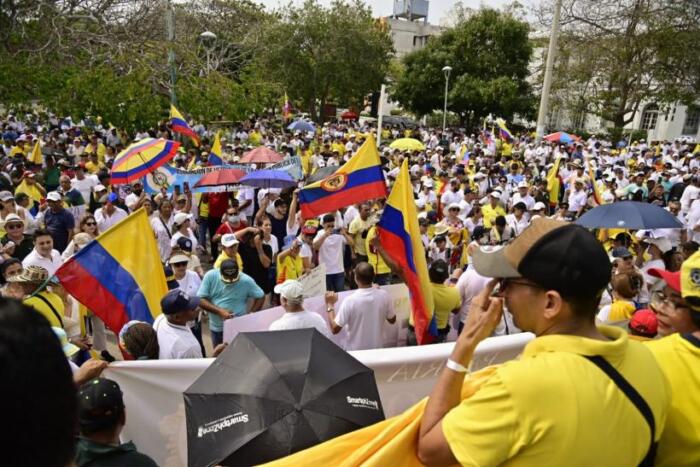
<point x="335" y="182"/>
<point x="362" y="403"/>
<point x="221" y="423"/>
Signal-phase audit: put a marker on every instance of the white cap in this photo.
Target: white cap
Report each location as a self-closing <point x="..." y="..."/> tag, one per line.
<point x="538" y="206"/>
<point x="523" y="184"/>
<point x="99" y="187"/>
<point x="180" y="218"/>
<point x="429" y="183"/>
<point x="229" y="240"/>
<point x="53" y="196"/>
<point x="496" y="194"/>
<point x="290" y="290"/>
<point x="178" y="259"/>
<point x="453" y="206"/>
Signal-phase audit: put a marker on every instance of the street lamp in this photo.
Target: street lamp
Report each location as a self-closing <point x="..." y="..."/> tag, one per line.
<point x="208" y="38"/>
<point x="446" y="70"/>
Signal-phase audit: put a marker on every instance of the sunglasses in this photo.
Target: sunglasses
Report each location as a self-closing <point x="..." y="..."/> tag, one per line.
<point x="179" y="265"/>
<point x="90" y="223"/>
<point x="14" y="226"/>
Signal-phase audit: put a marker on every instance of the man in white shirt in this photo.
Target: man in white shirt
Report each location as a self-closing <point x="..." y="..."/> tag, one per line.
<point x="363" y="312"/>
<point x="109" y="214"/>
<point x="452" y="194"/>
<point x="470" y="284"/>
<point x="43" y="254"/>
<point x="84" y="183"/>
<point x="295" y="316"/>
<point x="329" y="243"/>
<point x="175" y="339"/>
<point x="578" y="199"/>
<point x="523" y="195"/>
<point x="690" y="194"/>
<point x="137" y="197"/>
<point x="246" y="197"/>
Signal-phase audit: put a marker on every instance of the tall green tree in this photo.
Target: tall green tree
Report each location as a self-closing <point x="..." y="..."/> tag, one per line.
<point x="489" y="52"/>
<point x="321" y="54"/>
<point x="615" y="55"/>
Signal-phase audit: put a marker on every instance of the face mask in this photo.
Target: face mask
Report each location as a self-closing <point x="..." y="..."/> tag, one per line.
<point x="233" y="219"/>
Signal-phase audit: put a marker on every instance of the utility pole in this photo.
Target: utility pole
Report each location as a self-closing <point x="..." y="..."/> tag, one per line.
<point x="547" y="84"/>
<point x="170" y="31"/>
<point x="446" y="70"/>
<point x="380" y="112"/>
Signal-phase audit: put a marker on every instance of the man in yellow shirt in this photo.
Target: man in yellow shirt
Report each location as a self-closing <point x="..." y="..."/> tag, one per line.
<point x="383" y="271"/>
<point x="358" y="229"/>
<point x="229" y="250"/>
<point x="492" y="210"/>
<point x="555" y="404"/>
<point x="96" y="147"/>
<point x="678" y="354"/>
<point x="30" y="187"/>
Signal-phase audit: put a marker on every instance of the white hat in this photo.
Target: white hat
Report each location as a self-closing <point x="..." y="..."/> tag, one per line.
<point x="496" y="194"/>
<point x="180" y="218"/>
<point x="523" y="184"/>
<point x="99" y="187"/>
<point x="6" y="196"/>
<point x="429" y="183"/>
<point x="538" y="206"/>
<point x="53" y="196"/>
<point x="229" y="240"/>
<point x="178" y="259"/>
<point x="453" y="206"/>
<point x="290" y="290"/>
<point x="13" y="218"/>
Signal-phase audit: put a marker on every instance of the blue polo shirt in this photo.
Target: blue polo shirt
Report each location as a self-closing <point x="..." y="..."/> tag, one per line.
<point x="232" y="297"/>
<point x="58" y="224"/>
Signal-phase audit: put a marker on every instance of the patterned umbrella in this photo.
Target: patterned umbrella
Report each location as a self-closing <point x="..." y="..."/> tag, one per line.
<point x="141" y="158"/>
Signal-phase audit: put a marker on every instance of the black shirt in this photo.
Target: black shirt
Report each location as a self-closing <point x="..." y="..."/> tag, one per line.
<point x="279" y="228"/>
<point x="22" y="249"/>
<point x="253" y="267"/>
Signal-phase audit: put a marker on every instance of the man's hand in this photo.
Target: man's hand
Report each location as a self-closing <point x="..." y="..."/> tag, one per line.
<point x="225" y="314"/>
<point x="219" y="348"/>
<point x="81" y="341"/>
<point x="331" y="298"/>
<point x="484" y="315"/>
<point x="91" y="369"/>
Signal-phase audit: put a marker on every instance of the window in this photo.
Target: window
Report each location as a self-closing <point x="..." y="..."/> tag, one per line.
<point x="649" y="117"/>
<point x="692" y="121"/>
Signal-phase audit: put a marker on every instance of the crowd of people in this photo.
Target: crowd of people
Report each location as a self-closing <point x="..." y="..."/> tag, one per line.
<point x="227" y="254"/>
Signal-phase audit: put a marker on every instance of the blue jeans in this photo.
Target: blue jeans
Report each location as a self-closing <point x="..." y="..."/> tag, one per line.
<point x="202" y="229"/>
<point x="335" y="282"/>
<point x="217" y="337"/>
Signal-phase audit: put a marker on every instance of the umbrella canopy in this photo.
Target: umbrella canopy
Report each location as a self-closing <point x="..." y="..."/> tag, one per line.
<point x="322" y="173"/>
<point x="301" y="125"/>
<point x="629" y="215"/>
<point x="407" y="144"/>
<point x="261" y="155"/>
<point x="141" y="158"/>
<point x="348" y="115"/>
<point x="273" y="393"/>
<point x="220" y="177"/>
<point x="562" y="137"/>
<point x="268" y="179"/>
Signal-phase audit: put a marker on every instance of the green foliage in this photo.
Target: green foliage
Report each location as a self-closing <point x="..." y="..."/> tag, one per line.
<point x="489" y="53"/>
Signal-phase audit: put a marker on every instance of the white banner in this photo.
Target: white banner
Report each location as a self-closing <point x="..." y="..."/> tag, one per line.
<point x="314" y="281"/>
<point x="155" y="413"/>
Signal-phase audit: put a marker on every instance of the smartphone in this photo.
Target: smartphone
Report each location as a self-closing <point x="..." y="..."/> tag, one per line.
<point x="176" y="188"/>
<point x="186" y="187"/>
<point x="496" y="290"/>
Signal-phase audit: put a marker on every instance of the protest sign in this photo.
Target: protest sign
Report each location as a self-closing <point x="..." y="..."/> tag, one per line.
<point x="314" y="281"/>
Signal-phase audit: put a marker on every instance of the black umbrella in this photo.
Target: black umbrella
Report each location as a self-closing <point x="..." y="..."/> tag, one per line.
<point x="322" y="173"/>
<point x="270" y="394"/>
<point x="629" y="215"/>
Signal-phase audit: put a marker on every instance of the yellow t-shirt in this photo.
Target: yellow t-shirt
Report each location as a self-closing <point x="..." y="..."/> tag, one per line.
<point x="101" y="150"/>
<point x="340" y="147"/>
<point x="375" y="259"/>
<point x="289" y="268"/>
<point x="679" y="359"/>
<point x="554" y="407"/>
<point x="445" y="299"/>
<point x="16" y="150"/>
<point x="31" y="190"/>
<point x="621" y="309"/>
<point x="490" y="214"/>
<point x="203" y="205"/>
<point x="93" y="168"/>
<point x="357" y="226"/>
<point x="39" y="305"/>
<point x="223" y="256"/>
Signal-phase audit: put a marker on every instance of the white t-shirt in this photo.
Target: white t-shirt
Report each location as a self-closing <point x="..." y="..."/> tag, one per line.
<point x="577" y="200"/>
<point x="363" y="313"/>
<point x="470" y="284"/>
<point x="163" y="236"/>
<point x="247" y="194"/>
<point x="331" y="252"/>
<point x="85" y="185"/>
<point x="50" y="264"/>
<point x="105" y="221"/>
<point x="301" y="320"/>
<point x="176" y="342"/>
<point x="190" y="283"/>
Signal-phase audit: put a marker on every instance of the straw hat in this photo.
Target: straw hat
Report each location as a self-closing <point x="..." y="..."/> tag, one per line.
<point x="31" y="274"/>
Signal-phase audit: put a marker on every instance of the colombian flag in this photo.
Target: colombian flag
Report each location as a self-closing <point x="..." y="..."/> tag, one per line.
<point x="554" y="183"/>
<point x="400" y="237"/>
<point x="359" y="179"/>
<point x="118" y="275"/>
<point x="179" y="125"/>
<point x="215" y="153"/>
<point x="505" y="133"/>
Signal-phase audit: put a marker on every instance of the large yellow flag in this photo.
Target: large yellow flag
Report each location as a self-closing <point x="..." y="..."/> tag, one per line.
<point x="36" y="157"/>
<point x="215" y="154"/>
<point x="553" y="182"/>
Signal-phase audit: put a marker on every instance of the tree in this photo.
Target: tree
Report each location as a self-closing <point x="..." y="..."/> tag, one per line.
<point x="321" y="54"/>
<point x="489" y="53"/>
<point x="615" y="55"/>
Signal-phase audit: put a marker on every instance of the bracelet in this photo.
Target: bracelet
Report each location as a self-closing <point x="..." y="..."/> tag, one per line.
<point x="329" y="309"/>
<point x="454" y="366"/>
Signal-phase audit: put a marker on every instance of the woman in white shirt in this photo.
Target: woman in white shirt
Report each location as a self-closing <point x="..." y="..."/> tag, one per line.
<point x="162" y="223"/>
<point x="181" y="228"/>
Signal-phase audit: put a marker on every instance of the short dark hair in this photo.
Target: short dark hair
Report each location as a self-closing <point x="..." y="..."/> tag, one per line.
<point x="364" y="272"/>
<point x="37" y="393"/>
<point x="584" y="306"/>
<point x="438" y="272"/>
<point x="328" y="218"/>
<point x="41" y="233"/>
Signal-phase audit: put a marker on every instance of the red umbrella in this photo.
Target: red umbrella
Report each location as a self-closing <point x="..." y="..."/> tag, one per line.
<point x="261" y="155"/>
<point x="220" y="177"/>
<point x="348" y="115"/>
<point x="562" y="137"/>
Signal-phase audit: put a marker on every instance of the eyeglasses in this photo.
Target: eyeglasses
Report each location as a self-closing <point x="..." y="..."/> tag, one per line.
<point x="505" y="283"/>
<point x="180" y="265"/>
<point x="14" y="226"/>
<point x="90" y="223"/>
<point x="659" y="300"/>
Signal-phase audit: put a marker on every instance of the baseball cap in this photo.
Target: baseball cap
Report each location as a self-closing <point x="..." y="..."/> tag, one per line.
<point x="185" y="244"/>
<point x="177" y="300"/>
<point x="690" y="281"/>
<point x="53" y="196"/>
<point x="554" y="254"/>
<point x="538" y="206"/>
<point x="523" y="185"/>
<point x="308" y="230"/>
<point x="180" y="218"/>
<point x="69" y="349"/>
<point x="112" y="197"/>
<point x="99" y="187"/>
<point x="28" y="173"/>
<point x="229" y="240"/>
<point x="644" y="323"/>
<point x="100" y="404"/>
<point x="6" y="196"/>
<point x="290" y="289"/>
<point x="229" y="270"/>
<point x="621" y="252"/>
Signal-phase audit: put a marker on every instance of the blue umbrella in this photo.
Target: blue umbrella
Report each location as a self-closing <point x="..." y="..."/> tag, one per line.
<point x="268" y="179"/>
<point x="629" y="215"/>
<point x="301" y="125"/>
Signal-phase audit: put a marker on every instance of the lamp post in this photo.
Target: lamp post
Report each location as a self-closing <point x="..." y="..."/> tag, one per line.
<point x="208" y="38"/>
<point x="549" y="66"/>
<point x="446" y="70"/>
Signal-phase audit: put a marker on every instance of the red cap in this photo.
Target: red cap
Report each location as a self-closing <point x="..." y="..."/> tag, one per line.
<point x="672" y="279"/>
<point x="308" y="230"/>
<point x="644" y="322"/>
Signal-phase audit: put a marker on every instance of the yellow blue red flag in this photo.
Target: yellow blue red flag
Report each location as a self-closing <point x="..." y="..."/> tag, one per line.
<point x="596" y="190"/>
<point x="180" y="125"/>
<point x="215" y="157"/>
<point x="118" y="275"/>
<point x="401" y="239"/>
<point x="359" y="179"/>
<point x="504" y="131"/>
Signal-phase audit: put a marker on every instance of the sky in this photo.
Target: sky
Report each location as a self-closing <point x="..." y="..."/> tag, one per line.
<point x="437" y="9"/>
